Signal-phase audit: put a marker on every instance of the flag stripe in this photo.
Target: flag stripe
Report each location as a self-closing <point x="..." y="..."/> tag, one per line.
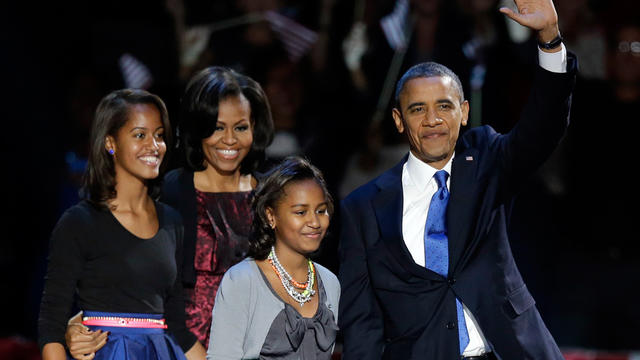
<point x="135" y="73"/>
<point x="394" y="25"/>
<point x="296" y="38"/>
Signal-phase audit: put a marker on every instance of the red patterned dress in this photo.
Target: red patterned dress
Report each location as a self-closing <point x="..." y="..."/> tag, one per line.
<point x="224" y="223"/>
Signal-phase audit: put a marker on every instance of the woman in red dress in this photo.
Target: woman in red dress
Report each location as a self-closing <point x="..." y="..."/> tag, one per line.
<point x="224" y="128"/>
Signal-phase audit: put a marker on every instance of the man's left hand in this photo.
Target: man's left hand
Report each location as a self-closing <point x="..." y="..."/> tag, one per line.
<point x="538" y="15"/>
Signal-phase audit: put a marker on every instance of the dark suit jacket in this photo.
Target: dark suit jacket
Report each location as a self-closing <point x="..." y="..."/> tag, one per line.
<point x="392" y="308"/>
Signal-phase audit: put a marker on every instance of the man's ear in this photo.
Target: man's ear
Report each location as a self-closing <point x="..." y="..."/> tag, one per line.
<point x="464" y="107"/>
<point x="397" y="118"/>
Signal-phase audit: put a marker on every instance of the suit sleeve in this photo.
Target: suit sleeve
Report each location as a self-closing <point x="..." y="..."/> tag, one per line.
<point x="541" y="127"/>
<point x="360" y="317"/>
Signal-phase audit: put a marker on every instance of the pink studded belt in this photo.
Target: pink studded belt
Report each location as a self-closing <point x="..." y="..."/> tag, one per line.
<point x="114" y="321"/>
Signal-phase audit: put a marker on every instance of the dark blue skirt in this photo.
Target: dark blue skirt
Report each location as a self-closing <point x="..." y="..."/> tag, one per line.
<point x="136" y="343"/>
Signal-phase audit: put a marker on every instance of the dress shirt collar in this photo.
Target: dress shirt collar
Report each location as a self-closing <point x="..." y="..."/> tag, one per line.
<point x="420" y="173"/>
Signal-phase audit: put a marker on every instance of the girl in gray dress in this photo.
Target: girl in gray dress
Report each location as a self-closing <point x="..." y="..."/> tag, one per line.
<point x="278" y="304"/>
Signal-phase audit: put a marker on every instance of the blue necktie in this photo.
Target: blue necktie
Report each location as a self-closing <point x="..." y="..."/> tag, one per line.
<point x="436" y="245"/>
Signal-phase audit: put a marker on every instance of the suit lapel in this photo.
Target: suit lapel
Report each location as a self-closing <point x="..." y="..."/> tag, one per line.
<point x="387" y="205"/>
<point x="461" y="204"/>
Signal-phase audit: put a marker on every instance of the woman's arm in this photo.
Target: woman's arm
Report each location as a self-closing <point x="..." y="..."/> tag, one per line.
<point x="174" y="304"/>
<point x="82" y="342"/>
<point x="197" y="352"/>
<point x="54" y="351"/>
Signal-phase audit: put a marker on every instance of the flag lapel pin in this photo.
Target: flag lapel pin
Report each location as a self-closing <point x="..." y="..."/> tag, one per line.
<point x="469" y="158"/>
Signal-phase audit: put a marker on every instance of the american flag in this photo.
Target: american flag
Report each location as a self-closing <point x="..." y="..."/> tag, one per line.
<point x="395" y="25"/>
<point x="136" y="75"/>
<point x="296" y="38"/>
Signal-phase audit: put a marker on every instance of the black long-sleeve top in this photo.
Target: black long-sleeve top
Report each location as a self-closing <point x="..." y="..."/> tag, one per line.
<point x="109" y="269"/>
<point x="179" y="192"/>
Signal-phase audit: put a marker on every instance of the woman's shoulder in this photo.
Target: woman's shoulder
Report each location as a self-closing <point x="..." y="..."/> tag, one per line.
<point x="174" y="175"/>
<point x="176" y="179"/>
<point x="169" y="213"/>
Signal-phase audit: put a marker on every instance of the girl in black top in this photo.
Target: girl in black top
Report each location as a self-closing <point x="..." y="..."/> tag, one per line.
<point x="119" y="250"/>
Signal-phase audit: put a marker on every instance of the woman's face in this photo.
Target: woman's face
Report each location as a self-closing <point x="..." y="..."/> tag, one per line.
<point x="231" y="140"/>
<point x="301" y="217"/>
<point x="139" y="147"/>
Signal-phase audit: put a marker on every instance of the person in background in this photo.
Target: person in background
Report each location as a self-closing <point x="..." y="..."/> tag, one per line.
<point x="278" y="304"/>
<point x="119" y="249"/>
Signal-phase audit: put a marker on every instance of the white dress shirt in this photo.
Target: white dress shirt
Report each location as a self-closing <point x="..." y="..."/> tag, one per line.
<point x="417" y="192"/>
<point x="418" y="187"/>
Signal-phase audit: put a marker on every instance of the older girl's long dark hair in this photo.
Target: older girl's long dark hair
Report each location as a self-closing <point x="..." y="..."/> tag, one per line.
<point x="270" y="191"/>
<point x="112" y="114"/>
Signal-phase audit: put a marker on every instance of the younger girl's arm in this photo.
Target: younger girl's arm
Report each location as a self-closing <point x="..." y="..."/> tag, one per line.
<point x="230" y="319"/>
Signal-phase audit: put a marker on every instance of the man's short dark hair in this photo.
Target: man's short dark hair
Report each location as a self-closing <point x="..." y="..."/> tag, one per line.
<point x="425" y="70"/>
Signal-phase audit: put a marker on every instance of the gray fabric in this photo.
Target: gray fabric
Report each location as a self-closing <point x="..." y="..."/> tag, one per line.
<point x="245" y="309"/>
<point x="306" y="338"/>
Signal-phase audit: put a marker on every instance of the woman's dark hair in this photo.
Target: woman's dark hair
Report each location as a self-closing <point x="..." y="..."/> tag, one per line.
<point x="270" y="191"/>
<point x="199" y="114"/>
<point x="111" y="115"/>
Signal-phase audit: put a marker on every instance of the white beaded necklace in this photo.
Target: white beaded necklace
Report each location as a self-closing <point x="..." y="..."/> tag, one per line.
<point x="286" y="279"/>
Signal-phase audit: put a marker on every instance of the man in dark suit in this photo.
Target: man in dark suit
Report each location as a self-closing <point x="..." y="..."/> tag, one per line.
<point x="426" y="268"/>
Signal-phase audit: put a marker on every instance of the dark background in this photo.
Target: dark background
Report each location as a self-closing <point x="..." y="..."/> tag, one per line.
<point x="572" y="227"/>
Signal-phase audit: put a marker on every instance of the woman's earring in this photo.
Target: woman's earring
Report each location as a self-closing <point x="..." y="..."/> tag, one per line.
<point x="111" y="152"/>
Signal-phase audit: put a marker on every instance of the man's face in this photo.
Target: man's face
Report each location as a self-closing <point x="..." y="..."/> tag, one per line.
<point x="431" y="114"/>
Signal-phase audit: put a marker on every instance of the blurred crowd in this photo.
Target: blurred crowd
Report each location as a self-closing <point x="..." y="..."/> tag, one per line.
<point x="327" y="67"/>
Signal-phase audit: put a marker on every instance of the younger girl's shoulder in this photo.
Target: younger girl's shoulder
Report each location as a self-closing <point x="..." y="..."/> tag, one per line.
<point x="243" y="272"/>
<point x="329" y="279"/>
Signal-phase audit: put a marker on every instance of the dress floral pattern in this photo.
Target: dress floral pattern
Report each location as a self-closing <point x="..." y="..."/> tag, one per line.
<point x="224" y="224"/>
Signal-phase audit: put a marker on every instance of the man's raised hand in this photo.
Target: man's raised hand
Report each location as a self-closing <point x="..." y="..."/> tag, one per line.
<point x="538" y="15"/>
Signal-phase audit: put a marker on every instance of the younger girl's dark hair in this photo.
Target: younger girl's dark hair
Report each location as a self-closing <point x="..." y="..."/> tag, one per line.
<point x="270" y="191"/>
<point x="199" y="114"/>
<point x="112" y="114"/>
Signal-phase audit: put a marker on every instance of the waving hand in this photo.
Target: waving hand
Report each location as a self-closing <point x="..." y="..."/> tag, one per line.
<point x="538" y="15"/>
